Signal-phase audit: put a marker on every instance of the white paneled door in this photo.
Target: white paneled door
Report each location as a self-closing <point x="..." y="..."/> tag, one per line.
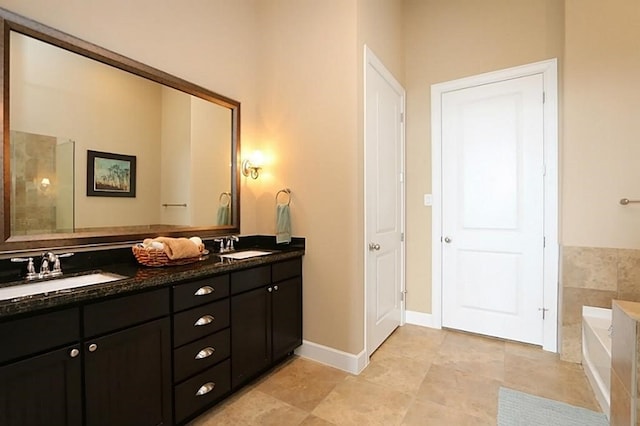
<point x="384" y="200"/>
<point x="493" y="209"/>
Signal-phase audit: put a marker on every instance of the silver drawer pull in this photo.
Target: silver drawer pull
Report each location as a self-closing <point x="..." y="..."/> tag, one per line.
<point x="74" y="353"/>
<point x="204" y="320"/>
<point x="93" y="347"/>
<point x="205" y="353"/>
<point x="205" y="389"/>
<point x="203" y="291"/>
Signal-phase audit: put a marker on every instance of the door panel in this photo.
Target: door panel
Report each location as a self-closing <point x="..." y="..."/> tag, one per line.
<point x="492" y="209"/>
<point x="383" y="201"/>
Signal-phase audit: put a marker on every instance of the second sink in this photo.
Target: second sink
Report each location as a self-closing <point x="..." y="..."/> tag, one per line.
<point x="245" y="254"/>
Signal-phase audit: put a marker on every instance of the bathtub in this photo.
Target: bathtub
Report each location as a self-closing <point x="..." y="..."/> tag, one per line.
<point x="596" y="352"/>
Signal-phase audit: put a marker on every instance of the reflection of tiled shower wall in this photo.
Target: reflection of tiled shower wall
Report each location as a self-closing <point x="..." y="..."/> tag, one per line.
<point x="594" y="276"/>
<point x="32" y="158"/>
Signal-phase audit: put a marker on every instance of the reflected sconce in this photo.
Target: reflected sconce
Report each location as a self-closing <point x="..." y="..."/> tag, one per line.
<point x="251" y="167"/>
<point x="45" y="183"/>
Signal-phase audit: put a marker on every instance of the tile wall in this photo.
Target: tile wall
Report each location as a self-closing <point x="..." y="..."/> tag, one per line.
<point x="593" y="276"/>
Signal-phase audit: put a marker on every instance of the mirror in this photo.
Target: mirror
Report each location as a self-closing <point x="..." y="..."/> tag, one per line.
<point x="102" y="150"/>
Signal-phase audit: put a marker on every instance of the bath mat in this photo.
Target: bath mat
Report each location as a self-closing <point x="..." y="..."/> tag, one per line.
<point x="521" y="409"/>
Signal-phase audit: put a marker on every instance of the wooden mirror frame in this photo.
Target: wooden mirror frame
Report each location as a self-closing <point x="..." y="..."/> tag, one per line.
<point x="112" y="237"/>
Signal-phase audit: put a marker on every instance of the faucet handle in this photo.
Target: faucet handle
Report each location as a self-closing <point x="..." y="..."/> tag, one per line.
<point x="31" y="270"/>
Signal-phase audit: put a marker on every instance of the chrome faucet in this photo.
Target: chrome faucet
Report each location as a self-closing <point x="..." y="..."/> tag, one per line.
<point x="226" y="243"/>
<point x="49" y="265"/>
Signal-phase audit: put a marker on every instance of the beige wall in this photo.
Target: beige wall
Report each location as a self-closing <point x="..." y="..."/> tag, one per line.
<point x="602" y="126"/>
<point x="446" y="40"/>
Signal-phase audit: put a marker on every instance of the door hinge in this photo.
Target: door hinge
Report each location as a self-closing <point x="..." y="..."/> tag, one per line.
<point x="544" y="312"/>
<point x="544" y="97"/>
<point x="402" y="236"/>
<point x="401" y="177"/>
<point x="403" y="295"/>
<point x="402" y="117"/>
<point x="544" y="242"/>
<point x="544" y="170"/>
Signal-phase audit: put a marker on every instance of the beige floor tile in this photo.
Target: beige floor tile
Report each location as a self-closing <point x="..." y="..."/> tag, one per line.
<point x="427" y="413"/>
<point x="398" y="372"/>
<point x="312" y="420"/>
<point x="253" y="408"/>
<point x="302" y="383"/>
<point x="553" y="379"/>
<point x="357" y="401"/>
<point x="412" y="341"/>
<point x="472" y="354"/>
<point x="465" y="392"/>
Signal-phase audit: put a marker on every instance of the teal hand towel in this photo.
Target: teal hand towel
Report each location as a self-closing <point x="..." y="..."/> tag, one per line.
<point x="224" y="215"/>
<point x="283" y="224"/>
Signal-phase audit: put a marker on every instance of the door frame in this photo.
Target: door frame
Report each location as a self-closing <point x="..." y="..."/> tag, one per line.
<point x="549" y="71"/>
<point x="371" y="59"/>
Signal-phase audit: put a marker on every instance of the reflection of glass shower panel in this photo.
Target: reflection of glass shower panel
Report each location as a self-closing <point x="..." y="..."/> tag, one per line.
<point x="42" y="184"/>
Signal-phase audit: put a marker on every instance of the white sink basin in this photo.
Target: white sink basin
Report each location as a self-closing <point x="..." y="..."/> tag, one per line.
<point x="245" y="254"/>
<point x="58" y="284"/>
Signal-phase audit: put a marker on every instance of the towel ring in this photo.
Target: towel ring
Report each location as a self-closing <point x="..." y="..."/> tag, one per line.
<point x="222" y="199"/>
<point x="285" y="191"/>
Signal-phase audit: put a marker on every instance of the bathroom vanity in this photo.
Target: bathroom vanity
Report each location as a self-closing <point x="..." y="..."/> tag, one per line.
<point x="156" y="348"/>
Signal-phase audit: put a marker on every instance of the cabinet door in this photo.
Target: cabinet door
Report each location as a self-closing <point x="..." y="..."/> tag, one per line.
<point x="286" y="316"/>
<point x="127" y="376"/>
<point x="250" y="334"/>
<point x="43" y="390"/>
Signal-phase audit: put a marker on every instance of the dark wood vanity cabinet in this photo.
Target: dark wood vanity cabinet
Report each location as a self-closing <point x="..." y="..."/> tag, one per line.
<point x="157" y="357"/>
<point x="266" y="317"/>
<point x="123" y="354"/>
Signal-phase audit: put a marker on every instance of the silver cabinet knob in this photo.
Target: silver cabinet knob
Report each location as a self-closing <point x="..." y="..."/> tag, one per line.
<point x="270" y="289"/>
<point x="205" y="353"/>
<point x="374" y="246"/>
<point x="93" y="347"/>
<point x="203" y="291"/>
<point x="447" y="240"/>
<point x="74" y="353"/>
<point x="205" y="389"/>
<point x="204" y="320"/>
<point x="275" y="287"/>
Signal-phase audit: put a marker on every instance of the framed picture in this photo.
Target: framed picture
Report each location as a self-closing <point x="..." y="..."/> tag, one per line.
<point x="111" y="175"/>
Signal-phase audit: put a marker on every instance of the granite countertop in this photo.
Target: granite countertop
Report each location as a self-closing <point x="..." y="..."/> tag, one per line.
<point x="139" y="277"/>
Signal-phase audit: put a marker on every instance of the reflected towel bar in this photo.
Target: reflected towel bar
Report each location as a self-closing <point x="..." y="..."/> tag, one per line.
<point x="625" y="201"/>
<point x="174" y="205"/>
<point x="285" y="191"/>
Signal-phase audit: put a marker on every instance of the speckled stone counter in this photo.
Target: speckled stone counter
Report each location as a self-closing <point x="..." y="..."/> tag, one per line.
<point x="140" y="277"/>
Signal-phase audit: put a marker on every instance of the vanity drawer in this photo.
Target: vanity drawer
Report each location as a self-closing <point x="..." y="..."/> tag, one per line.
<point x="201" y="354"/>
<point x="103" y="317"/>
<point x="198" y="322"/>
<point x="250" y="279"/>
<point x="196" y="293"/>
<point x="202" y="390"/>
<point x="26" y="336"/>
<point x="288" y="269"/>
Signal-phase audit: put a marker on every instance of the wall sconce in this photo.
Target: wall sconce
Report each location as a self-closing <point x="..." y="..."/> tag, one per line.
<point x="251" y="167"/>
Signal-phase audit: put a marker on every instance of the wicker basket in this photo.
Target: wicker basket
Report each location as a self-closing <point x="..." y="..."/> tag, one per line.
<point x="155" y="257"/>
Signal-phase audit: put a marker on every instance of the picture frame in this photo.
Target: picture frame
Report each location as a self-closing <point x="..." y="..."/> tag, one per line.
<point x="110" y="175"/>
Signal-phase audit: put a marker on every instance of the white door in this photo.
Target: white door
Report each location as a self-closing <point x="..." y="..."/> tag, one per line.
<point x="384" y="199"/>
<point x="493" y="209"/>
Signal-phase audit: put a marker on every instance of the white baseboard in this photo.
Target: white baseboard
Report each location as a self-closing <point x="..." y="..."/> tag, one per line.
<point x="419" y="318"/>
<point x="344" y="361"/>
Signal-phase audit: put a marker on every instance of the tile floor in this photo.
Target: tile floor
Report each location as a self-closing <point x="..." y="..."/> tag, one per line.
<point x="419" y="376"/>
